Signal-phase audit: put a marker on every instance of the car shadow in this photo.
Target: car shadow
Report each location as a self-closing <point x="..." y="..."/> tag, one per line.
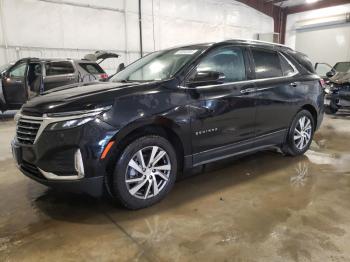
<point x="341" y="114"/>
<point x="193" y="185"/>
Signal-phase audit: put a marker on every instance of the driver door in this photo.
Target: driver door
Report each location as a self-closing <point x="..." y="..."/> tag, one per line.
<point x="14" y="85"/>
<point x="223" y="113"/>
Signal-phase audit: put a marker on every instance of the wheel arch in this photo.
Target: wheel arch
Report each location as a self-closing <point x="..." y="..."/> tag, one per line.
<point x="159" y="126"/>
<point x="312" y="111"/>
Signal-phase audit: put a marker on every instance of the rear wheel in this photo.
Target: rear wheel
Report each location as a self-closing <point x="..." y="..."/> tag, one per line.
<point x="300" y="134"/>
<point x="145" y="172"/>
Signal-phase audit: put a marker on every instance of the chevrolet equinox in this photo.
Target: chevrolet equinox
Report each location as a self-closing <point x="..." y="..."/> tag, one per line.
<point x="169" y="111"/>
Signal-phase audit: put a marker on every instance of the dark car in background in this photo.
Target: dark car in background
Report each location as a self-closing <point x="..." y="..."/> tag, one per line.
<point x="30" y="77"/>
<point x="167" y="112"/>
<point x="338" y="86"/>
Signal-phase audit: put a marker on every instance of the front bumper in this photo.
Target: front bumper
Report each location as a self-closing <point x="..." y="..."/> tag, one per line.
<point x="67" y="159"/>
<point x="93" y="186"/>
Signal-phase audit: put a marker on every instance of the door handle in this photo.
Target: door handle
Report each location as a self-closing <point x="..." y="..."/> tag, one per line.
<point x="294" y="84"/>
<point x="248" y="90"/>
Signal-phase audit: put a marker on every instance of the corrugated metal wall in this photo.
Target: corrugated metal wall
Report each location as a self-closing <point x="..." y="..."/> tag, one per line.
<point x="73" y="28"/>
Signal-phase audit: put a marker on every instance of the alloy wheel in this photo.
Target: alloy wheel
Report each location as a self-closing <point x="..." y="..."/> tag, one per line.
<point x="148" y="172"/>
<point x="302" y="133"/>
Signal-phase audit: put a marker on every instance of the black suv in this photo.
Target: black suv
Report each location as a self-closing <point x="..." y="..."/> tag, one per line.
<point x="169" y="111"/>
<point x="29" y="77"/>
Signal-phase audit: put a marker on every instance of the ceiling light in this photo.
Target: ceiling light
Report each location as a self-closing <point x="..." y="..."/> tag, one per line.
<point x="311" y="1"/>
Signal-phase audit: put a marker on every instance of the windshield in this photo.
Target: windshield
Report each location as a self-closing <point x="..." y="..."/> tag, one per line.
<point x="343" y="67"/>
<point x="4" y="67"/>
<point x="160" y="65"/>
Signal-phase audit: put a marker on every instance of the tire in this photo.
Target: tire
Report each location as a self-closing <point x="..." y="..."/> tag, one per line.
<point x="331" y="110"/>
<point x="133" y="185"/>
<point x="292" y="146"/>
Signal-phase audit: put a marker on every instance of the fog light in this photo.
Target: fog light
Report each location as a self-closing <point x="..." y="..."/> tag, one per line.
<point x="78" y="164"/>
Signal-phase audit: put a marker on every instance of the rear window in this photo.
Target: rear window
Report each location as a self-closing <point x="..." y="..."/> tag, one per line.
<point x="342" y="67"/>
<point x="59" y="68"/>
<point x="267" y="64"/>
<point x="92" y="68"/>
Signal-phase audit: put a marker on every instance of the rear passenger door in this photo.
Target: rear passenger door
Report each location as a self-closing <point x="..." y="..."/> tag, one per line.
<point x="274" y="92"/>
<point x="59" y="73"/>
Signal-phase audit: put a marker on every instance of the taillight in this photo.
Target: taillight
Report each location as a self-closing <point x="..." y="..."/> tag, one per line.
<point x="322" y="83"/>
<point x="103" y="76"/>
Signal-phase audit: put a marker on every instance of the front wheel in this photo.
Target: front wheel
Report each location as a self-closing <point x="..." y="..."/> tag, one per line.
<point x="300" y="134"/>
<point x="145" y="172"/>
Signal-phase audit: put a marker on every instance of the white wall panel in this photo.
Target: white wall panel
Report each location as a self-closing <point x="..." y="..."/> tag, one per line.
<point x="72" y="28"/>
<point x="293" y="19"/>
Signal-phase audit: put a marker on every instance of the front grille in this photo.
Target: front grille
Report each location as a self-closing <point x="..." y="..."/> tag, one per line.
<point x="27" y="129"/>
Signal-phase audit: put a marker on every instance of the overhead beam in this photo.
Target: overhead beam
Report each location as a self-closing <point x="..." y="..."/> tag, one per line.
<point x="314" y="6"/>
<point x="276" y="12"/>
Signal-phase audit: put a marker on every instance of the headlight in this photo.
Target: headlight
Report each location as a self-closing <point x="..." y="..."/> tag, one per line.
<point x="92" y="112"/>
<point x="65" y="120"/>
<point x="69" y="123"/>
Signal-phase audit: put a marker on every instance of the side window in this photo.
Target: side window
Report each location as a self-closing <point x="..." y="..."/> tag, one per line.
<point x="228" y="61"/>
<point x="267" y="64"/>
<point x="59" y="68"/>
<point x="287" y="69"/>
<point x="18" y="70"/>
<point x="92" y="68"/>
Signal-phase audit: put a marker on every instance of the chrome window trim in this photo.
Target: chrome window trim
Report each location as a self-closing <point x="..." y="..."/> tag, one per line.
<point x="296" y="72"/>
<point x="241" y="82"/>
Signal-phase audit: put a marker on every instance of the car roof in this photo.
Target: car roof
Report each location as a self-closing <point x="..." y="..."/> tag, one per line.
<point x="45" y="60"/>
<point x="256" y="43"/>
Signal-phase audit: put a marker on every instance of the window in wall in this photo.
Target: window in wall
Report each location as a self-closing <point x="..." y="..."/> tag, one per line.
<point x="59" y="68"/>
<point x="228" y="61"/>
<point x="267" y="64"/>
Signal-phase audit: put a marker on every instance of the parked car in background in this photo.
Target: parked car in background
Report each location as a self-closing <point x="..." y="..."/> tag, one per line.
<point x="338" y="85"/>
<point x="29" y="77"/>
<point x="169" y="111"/>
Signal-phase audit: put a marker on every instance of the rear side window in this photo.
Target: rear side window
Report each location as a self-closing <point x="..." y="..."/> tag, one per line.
<point x="287" y="69"/>
<point x="267" y="64"/>
<point x="59" y="68"/>
<point x="92" y="68"/>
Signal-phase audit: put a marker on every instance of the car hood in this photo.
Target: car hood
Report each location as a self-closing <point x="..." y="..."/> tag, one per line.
<point x="340" y="78"/>
<point x="81" y="97"/>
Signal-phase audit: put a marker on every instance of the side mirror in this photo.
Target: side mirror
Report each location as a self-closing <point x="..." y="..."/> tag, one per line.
<point x="330" y="74"/>
<point x="207" y="77"/>
<point x="3" y="75"/>
<point x="121" y="67"/>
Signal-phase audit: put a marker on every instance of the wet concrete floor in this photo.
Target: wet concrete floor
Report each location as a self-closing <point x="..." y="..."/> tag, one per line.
<point x="263" y="207"/>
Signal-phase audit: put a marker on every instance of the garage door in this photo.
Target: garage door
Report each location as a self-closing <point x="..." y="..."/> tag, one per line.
<point x="329" y="44"/>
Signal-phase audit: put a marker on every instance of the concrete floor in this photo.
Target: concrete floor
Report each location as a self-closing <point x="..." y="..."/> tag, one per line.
<point x="264" y="207"/>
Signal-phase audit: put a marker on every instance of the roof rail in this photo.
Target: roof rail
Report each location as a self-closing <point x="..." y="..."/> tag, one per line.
<point x="257" y="41"/>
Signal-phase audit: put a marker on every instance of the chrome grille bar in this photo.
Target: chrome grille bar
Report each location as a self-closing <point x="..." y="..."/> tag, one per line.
<point x="27" y="129"/>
